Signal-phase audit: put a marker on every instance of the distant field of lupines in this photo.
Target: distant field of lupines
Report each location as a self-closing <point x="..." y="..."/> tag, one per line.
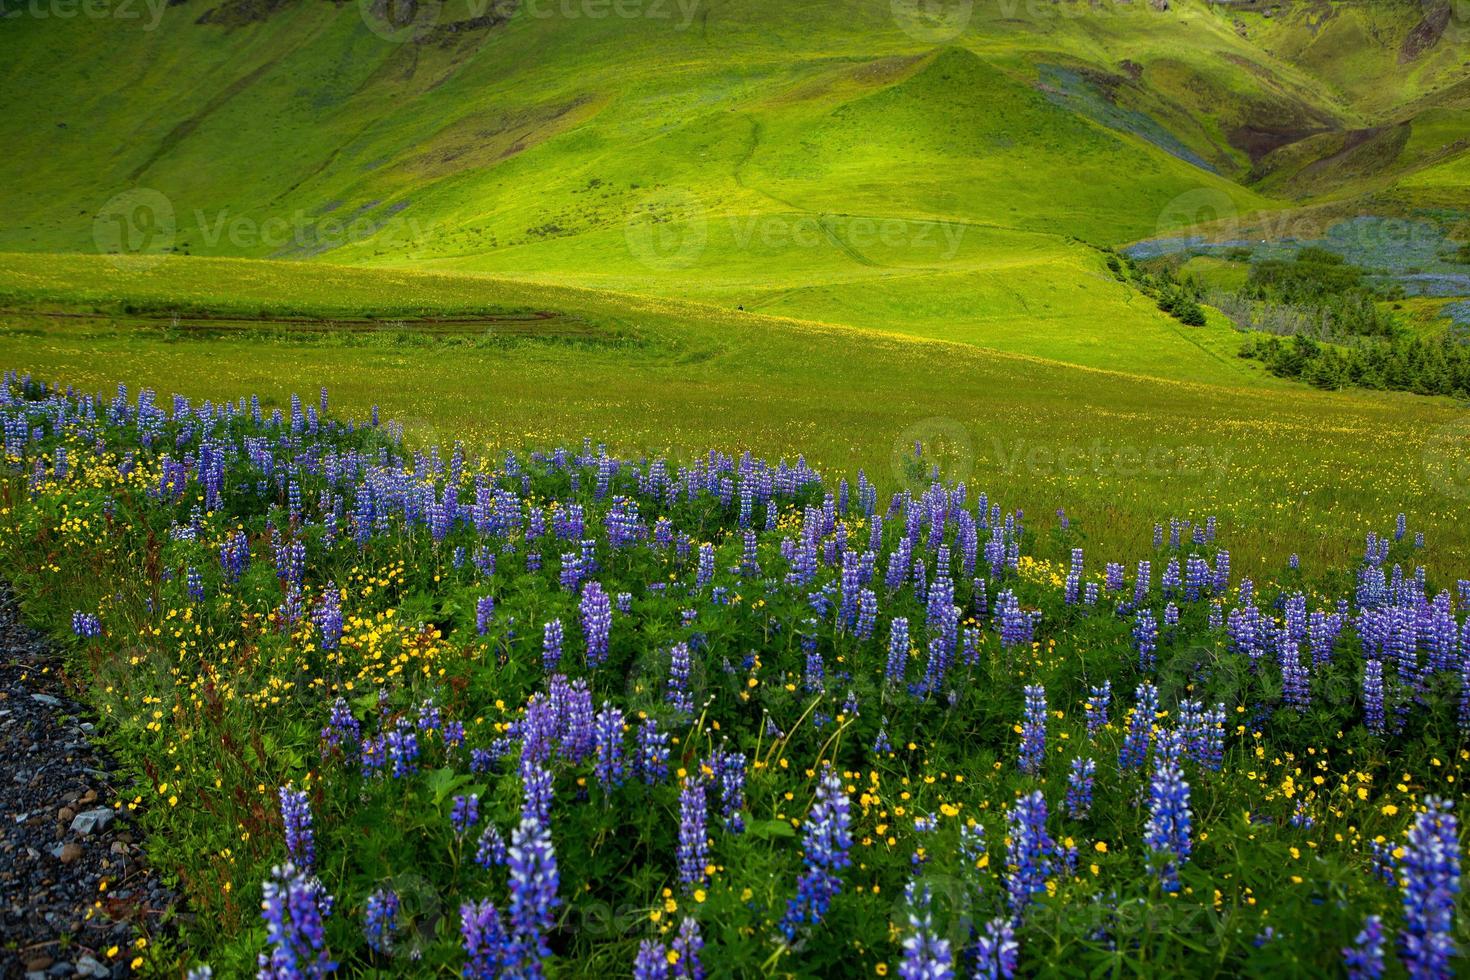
<point x="554" y="713"/>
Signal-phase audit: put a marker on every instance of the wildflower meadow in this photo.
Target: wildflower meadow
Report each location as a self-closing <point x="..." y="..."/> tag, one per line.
<point x="395" y="709"/>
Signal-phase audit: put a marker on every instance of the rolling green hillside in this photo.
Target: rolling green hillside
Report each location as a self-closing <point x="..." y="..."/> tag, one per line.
<point x="855" y="164"/>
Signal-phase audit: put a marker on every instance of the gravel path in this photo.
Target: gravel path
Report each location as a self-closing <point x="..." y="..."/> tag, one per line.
<point x="60" y="837"/>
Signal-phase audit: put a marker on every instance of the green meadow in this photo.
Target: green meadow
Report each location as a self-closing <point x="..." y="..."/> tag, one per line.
<point x="794" y="228"/>
<point x="1307" y="470"/>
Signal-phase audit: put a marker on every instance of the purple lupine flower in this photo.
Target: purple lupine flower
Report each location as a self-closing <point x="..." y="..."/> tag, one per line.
<point x="1373" y="715"/>
<point x="729" y="775"/>
<point x="374" y="755"/>
<point x="486" y="946"/>
<point x="380" y="920"/>
<point x="686" y="948"/>
<point x="814" y="672"/>
<point x="1079" y="788"/>
<point x="464" y="814"/>
<point x="706" y="568"/>
<point x="826" y="840"/>
<point x="1167" y="833"/>
<point x="1016" y="625"/>
<point x="195" y="584"/>
<point x="578" y="722"/>
<point x="926" y="956"/>
<point x="1074" y="578"/>
<point x="1384" y="862"/>
<point x="403" y="750"/>
<point x="1033" y="731"/>
<point x="234" y="556"/>
<point x="491" y="849"/>
<point x="551" y="642"/>
<point x="1212" y="753"/>
<point x="867" y="613"/>
<point x="1430" y="875"/>
<point x="1030" y="850"/>
<point x="652" y="962"/>
<point x="453" y="734"/>
<point x="972" y="846"/>
<point x="1140" y="728"/>
<point x="533" y="900"/>
<point x="1364" y="959"/>
<point x="1146" y="639"/>
<point x="86" y="625"/>
<point x="678" y="695"/>
<point x="596" y="611"/>
<point x="881" y="743"/>
<point x="1295" y="685"/>
<point x="1097" y="704"/>
<point x="1465" y="681"/>
<point x="609" y="745"/>
<point x="296" y="818"/>
<point x="693" y="841"/>
<point x="652" y="763"/>
<point x="484" y="613"/>
<point x="898" y="650"/>
<point x="294" y="907"/>
<point x="536" y="791"/>
<point x="431" y="719"/>
<point x="996" y="952"/>
<point x="342" y="726"/>
<point x="328" y="617"/>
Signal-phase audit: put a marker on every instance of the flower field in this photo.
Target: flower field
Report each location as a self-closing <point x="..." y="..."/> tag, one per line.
<point x="415" y="712"/>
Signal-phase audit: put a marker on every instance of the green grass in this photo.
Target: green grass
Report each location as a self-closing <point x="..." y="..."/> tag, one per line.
<point x="1306" y="471"/>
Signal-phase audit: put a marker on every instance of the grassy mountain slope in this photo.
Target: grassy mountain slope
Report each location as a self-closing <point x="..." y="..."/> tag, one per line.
<point x="854" y="164"/>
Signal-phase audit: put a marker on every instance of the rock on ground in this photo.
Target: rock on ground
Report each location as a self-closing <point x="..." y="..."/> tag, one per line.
<point x="61" y="837"/>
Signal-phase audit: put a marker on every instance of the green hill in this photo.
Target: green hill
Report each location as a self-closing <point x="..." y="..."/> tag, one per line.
<point x="854" y="165"/>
